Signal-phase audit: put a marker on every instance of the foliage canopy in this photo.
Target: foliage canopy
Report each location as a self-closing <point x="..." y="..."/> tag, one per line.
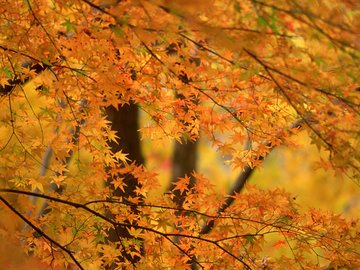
<point x="245" y="75"/>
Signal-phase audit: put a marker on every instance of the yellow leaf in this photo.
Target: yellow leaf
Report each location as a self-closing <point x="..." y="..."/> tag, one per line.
<point x="36" y="185"/>
<point x="120" y="156"/>
<point x="111" y="135"/>
<point x="137" y="233"/>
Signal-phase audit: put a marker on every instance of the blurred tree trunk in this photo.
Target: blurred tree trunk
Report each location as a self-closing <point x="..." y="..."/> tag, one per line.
<point x="184" y="157"/>
<point x="184" y="163"/>
<point x="125" y="122"/>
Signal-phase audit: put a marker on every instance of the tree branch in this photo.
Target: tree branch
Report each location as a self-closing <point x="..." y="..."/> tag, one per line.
<point x="115" y="224"/>
<point x="40" y="232"/>
<point x="239" y="185"/>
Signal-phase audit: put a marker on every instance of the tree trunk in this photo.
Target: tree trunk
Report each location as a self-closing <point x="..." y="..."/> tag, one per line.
<point x="184" y="163"/>
<point x="125" y="122"/>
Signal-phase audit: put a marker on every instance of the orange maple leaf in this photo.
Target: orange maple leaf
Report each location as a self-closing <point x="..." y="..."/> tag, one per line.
<point x="182" y="184"/>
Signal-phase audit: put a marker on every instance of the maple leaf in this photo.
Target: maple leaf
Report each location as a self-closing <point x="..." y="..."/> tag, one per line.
<point x="208" y="86"/>
<point x="69" y="26"/>
<point x="4" y="82"/>
<point x="36" y="185"/>
<point x="111" y="135"/>
<point x="163" y="223"/>
<point x="137" y="233"/>
<point x="118" y="182"/>
<point x="182" y="184"/>
<point x="58" y="179"/>
<point x="120" y="156"/>
<point x="279" y="244"/>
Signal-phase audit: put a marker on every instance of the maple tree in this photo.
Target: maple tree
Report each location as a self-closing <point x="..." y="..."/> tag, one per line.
<point x="247" y="76"/>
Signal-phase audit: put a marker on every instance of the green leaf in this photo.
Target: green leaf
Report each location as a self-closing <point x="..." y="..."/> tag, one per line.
<point x="81" y="72"/>
<point x="273" y="23"/>
<point x="249" y="73"/>
<point x="237" y="7"/>
<point x="242" y="64"/>
<point x="69" y="26"/>
<point x="99" y="238"/>
<point x="249" y="238"/>
<point x="7" y="72"/>
<point x="262" y="22"/>
<point x="49" y="112"/>
<point x="117" y="30"/>
<point x="319" y="61"/>
<point x="46" y="61"/>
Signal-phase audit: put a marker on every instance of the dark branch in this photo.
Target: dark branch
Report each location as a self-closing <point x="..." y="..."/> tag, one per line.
<point x="40" y="232"/>
<point x="289" y="227"/>
<point x="239" y="185"/>
<point x="116" y="224"/>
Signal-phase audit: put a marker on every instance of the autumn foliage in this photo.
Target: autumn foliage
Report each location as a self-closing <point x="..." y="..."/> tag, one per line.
<point x="76" y="78"/>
